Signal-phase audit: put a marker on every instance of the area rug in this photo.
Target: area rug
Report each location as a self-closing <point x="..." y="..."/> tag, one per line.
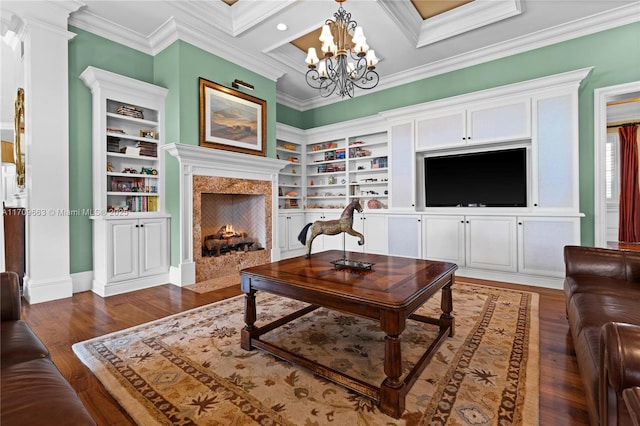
<point x="189" y="369"/>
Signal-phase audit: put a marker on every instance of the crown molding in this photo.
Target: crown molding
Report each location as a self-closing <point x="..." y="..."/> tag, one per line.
<point x="465" y="18"/>
<point x="596" y="23"/>
<point x="94" y="24"/>
<point x="290" y="101"/>
<point x="173" y="30"/>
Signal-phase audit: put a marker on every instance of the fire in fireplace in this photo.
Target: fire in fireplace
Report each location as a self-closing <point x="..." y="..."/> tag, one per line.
<point x="228" y="239"/>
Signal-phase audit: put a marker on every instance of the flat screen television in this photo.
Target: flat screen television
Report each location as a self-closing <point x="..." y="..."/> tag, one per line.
<point x="482" y="179"/>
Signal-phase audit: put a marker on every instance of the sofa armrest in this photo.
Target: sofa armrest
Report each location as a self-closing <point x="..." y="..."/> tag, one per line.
<point x="9" y="296"/>
<point x="632" y="399"/>
<point x="619" y="366"/>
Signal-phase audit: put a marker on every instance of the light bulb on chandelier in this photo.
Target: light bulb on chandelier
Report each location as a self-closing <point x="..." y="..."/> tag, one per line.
<point x="347" y="61"/>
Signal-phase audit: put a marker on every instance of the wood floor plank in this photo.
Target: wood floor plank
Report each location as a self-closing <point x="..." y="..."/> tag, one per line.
<point x="62" y="323"/>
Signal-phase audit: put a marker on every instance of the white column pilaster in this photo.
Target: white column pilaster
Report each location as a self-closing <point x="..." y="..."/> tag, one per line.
<point x="45" y="38"/>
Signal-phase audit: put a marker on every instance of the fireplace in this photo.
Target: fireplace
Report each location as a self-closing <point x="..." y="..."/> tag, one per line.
<point x="231" y="225"/>
<point x="245" y="183"/>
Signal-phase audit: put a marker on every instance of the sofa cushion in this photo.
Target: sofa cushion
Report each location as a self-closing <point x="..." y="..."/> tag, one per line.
<point x="595" y="310"/>
<point x="35" y="393"/>
<point x="600" y="285"/>
<point x="18" y="343"/>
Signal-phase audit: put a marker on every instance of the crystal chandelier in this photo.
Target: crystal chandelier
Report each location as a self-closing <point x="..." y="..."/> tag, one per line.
<point x="348" y="62"/>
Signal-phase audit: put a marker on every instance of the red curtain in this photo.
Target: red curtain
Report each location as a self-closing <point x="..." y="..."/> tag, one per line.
<point x="629" y="230"/>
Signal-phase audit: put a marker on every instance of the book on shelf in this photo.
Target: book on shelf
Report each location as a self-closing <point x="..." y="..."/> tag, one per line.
<point x="148" y="149"/>
<point x="130" y="111"/>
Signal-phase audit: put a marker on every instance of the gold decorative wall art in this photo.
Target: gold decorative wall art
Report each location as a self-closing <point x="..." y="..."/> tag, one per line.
<point x="19" y="134"/>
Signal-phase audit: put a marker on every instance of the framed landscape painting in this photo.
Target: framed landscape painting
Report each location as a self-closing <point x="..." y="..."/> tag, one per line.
<point x="231" y="120"/>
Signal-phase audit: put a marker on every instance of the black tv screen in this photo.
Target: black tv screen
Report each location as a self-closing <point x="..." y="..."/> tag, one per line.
<point x="483" y="179"/>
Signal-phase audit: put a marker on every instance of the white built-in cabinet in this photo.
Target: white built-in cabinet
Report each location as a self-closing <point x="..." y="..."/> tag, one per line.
<point x="289" y="226"/>
<point x="541" y="242"/>
<point x="404" y="235"/>
<point x="374" y="227"/>
<point x="484" y="242"/>
<point x="485" y="122"/>
<point x="402" y="167"/>
<point x="130" y="226"/>
<point x="522" y="244"/>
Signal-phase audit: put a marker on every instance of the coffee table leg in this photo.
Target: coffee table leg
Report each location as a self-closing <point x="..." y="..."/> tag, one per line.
<point x="249" y="319"/>
<point x="446" y="304"/>
<point x="392" y="388"/>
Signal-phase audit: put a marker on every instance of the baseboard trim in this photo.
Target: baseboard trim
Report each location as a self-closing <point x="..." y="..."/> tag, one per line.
<point x="513" y="278"/>
<point x="45" y="291"/>
<point x="82" y="281"/>
<point x="183" y="274"/>
<point x="111" y="289"/>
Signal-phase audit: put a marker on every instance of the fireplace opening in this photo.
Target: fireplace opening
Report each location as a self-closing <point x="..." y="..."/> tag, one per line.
<point x="228" y="239"/>
<point x="232" y="223"/>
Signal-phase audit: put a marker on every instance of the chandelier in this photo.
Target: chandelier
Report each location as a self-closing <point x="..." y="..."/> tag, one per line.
<point x="347" y="63"/>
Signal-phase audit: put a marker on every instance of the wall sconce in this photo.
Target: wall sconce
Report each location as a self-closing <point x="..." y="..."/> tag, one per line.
<point x="237" y="83"/>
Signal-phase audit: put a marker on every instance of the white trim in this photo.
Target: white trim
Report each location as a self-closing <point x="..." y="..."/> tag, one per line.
<point x="600" y="98"/>
<point x="81" y="281"/>
<point x="120" y="287"/>
<point x="44" y="291"/>
<point x="470" y="16"/>
<point x="600" y="22"/>
<point x="198" y="161"/>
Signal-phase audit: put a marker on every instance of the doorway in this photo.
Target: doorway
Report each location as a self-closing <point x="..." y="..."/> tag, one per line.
<point x="613" y="104"/>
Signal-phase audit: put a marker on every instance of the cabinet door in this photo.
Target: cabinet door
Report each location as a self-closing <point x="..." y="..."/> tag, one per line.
<point x="295" y="223"/>
<point x="554" y="153"/>
<point x="402" y="193"/>
<point x="541" y="242"/>
<point x="404" y="236"/>
<point x="499" y="121"/>
<point x="491" y="243"/>
<point x="123" y="251"/>
<point x="375" y="227"/>
<point x="443" y="238"/>
<point x="154" y="247"/>
<point x="441" y="130"/>
<point x="283" y="225"/>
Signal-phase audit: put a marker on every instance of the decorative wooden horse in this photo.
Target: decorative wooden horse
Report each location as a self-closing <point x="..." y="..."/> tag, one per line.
<point x="332" y="227"/>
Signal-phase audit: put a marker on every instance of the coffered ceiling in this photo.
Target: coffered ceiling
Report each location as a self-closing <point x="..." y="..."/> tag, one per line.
<point x="458" y="34"/>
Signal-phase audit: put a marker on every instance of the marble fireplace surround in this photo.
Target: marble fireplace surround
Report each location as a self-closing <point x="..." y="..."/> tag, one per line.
<point x="212" y="170"/>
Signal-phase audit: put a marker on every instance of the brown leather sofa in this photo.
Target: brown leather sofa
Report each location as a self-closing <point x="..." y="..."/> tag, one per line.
<point x="602" y="287"/>
<point x="32" y="390"/>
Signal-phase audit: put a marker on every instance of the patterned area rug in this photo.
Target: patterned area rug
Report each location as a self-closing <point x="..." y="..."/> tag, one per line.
<point x="189" y="369"/>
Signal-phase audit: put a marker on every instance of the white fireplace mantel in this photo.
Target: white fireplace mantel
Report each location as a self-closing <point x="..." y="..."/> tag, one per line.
<point x="198" y="161"/>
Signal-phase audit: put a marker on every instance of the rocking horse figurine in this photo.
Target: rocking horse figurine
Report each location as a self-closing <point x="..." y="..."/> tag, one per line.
<point x="332" y="227"/>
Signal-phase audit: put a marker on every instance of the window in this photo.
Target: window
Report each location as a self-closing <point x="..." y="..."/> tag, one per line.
<point x="612" y="168"/>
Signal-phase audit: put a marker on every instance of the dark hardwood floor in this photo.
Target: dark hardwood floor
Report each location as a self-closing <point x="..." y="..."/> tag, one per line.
<point x="64" y="322"/>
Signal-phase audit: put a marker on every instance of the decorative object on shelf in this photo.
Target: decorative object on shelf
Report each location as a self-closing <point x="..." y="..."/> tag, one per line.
<point x="231" y="120"/>
<point x="18" y="121"/>
<point x="148" y="171"/>
<point x="151" y="134"/>
<point x="335" y="73"/>
<point x="332" y="227"/>
<point x="109" y="167"/>
<point x="373" y="204"/>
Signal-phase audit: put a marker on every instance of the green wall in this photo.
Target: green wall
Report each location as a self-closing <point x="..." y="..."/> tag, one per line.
<point x="88" y="49"/>
<point x="614" y="54"/>
<point x="178" y="68"/>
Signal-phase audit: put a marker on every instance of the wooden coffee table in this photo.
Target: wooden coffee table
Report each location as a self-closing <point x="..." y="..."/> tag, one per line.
<point x="389" y="293"/>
